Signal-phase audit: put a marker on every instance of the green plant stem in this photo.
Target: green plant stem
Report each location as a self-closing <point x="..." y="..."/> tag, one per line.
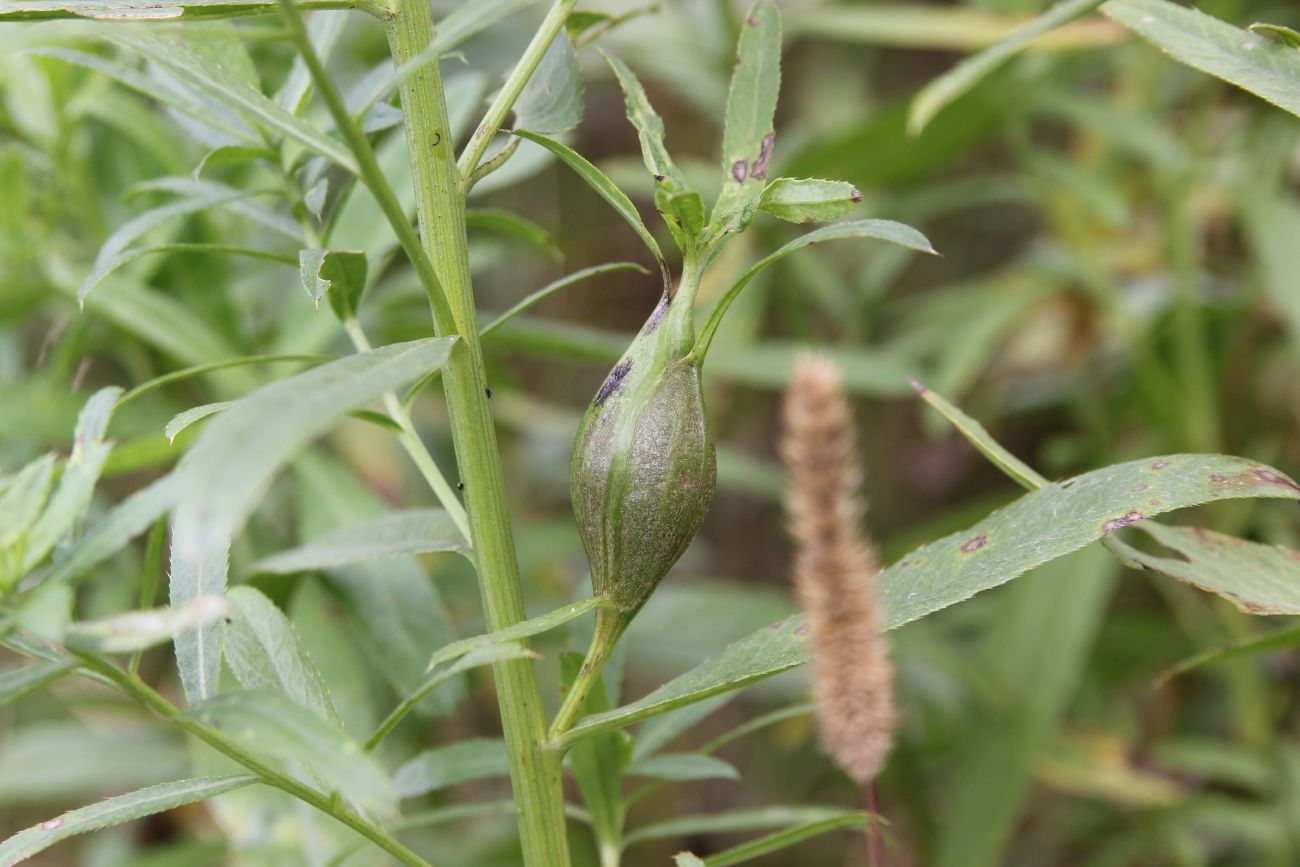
<point x="535" y="772"/>
<point x="505" y="99"/>
<point x="133" y="686"/>
<point x="410" y="440"/>
<point x="610" y="624"/>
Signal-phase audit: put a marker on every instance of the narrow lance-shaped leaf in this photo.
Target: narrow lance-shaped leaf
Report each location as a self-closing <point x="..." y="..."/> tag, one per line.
<point x="115" y="811"/>
<point x="884" y="230"/>
<point x="153" y="10"/>
<point x="302" y="743"/>
<point x="681" y="207"/>
<point x="779" y="840"/>
<point x="552" y="100"/>
<point x="732" y="821"/>
<point x="1264" y="67"/>
<point x="804" y="200"/>
<point x="965" y="75"/>
<point x="196" y="572"/>
<point x="461" y="762"/>
<point x="1278" y="33"/>
<point x="599" y="182"/>
<point x="21" y="502"/>
<point x="259" y="433"/>
<point x="18" y="682"/>
<point x="1041" y="526"/>
<point x="340" y="273"/>
<point x="193" y="415"/>
<point x="749" y="136"/>
<point x="263" y="652"/>
<point x="71" y="497"/>
<point x="398" y="534"/>
<point x="234" y="93"/>
<point x="139" y="630"/>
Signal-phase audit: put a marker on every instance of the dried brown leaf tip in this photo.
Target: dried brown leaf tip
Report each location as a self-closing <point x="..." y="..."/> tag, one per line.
<point x="835" y="572"/>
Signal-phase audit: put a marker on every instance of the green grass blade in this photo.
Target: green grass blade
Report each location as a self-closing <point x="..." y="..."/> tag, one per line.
<point x="397" y="534"/>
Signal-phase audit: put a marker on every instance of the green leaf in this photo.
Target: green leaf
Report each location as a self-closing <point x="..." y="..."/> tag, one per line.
<point x="551" y="288"/>
<point x="769" y="651"/>
<point x="285" y="734"/>
<point x="441" y="767"/>
<point x="341" y="273"/>
<point x="18" y="682"/>
<point x="140" y="630"/>
<point x="683" y="766"/>
<point x="1278" y="33"/>
<point x="1041" y="526"/>
<point x="681" y="207"/>
<point x="193" y="415"/>
<point x="21" y="502"/>
<point x="264" y="653"/>
<point x="748" y="138"/>
<point x="106" y="267"/>
<point x="61" y="761"/>
<point x="552" y="100"/>
<point x="394" y="611"/>
<point x="1257" y="578"/>
<point x="158" y="320"/>
<point x="259" y="433"/>
<point x="1259" y="65"/>
<point x="1280" y="639"/>
<point x="234" y="93"/>
<point x="71" y="497"/>
<point x="731" y="821"/>
<point x="227" y="125"/>
<point x="200" y="369"/>
<point x="884" y="230"/>
<point x="523" y="629"/>
<point x="975" y="433"/>
<point x="115" y="811"/>
<point x="779" y="840"/>
<point x="662" y="730"/>
<point x="197" y="572"/>
<point x="397" y="534"/>
<point x="804" y="200"/>
<point x="965" y="75"/>
<point x="144" y="10"/>
<point x="515" y="226"/>
<point x="597" y="180"/>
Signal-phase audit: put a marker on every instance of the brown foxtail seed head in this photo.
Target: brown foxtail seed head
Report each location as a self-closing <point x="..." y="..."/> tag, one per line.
<point x="835" y="572"/>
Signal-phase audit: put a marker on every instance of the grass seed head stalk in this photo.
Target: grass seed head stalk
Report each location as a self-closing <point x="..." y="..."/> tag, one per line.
<point x="835" y="573"/>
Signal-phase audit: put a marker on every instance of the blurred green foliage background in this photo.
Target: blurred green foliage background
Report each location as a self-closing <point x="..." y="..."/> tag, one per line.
<point x="1120" y="277"/>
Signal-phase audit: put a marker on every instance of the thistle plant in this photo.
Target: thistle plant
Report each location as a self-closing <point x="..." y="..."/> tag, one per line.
<point x="305" y="665"/>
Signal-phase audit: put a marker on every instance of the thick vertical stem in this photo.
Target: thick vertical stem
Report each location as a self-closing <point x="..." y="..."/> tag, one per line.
<point x="535" y="771"/>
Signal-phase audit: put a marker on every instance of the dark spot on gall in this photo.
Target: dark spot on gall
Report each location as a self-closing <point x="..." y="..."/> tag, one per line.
<point x="657" y="315"/>
<point x="738" y="169"/>
<point x="759" y="172"/>
<point x="659" y="178"/>
<point x="460" y="486"/>
<point x="1123" y="521"/>
<point x="1218" y="479"/>
<point x="488" y="392"/>
<point x="614" y="380"/>
<point x="752" y="21"/>
<point x="970" y="546"/>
